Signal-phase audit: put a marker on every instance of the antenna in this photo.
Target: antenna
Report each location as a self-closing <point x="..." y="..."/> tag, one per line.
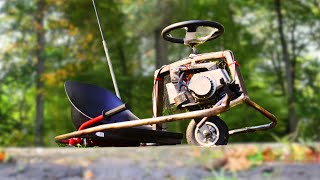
<point x="114" y="81"/>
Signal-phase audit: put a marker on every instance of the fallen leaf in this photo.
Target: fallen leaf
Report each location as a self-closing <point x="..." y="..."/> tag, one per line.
<point x="237" y="159"/>
<point x="268" y="155"/>
<point x="2" y="156"/>
<point x="88" y="175"/>
<point x="298" y="152"/>
<point x="196" y="152"/>
<point x="309" y="154"/>
<point x="237" y="164"/>
<point x="251" y="150"/>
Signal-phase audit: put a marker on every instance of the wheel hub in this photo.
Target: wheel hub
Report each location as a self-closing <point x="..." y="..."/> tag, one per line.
<point x="206" y="133"/>
<point x="208" y="136"/>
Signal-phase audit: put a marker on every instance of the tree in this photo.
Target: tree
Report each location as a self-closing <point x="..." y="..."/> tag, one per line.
<point x="286" y="36"/>
<point x="17" y="70"/>
<point x="291" y="59"/>
<point x="40" y="57"/>
<point x="161" y="47"/>
<point x="290" y="70"/>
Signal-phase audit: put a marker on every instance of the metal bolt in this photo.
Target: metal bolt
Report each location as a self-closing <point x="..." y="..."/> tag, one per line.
<point x="206" y="133"/>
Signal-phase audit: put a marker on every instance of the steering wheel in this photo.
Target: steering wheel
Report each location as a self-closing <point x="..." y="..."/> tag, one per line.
<point x="191" y="28"/>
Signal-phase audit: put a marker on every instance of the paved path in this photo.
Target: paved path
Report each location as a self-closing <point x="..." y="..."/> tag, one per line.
<point x="169" y="162"/>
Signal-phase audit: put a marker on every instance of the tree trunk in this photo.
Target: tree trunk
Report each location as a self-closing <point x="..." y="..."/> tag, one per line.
<point x="40" y="56"/>
<point x="278" y="71"/>
<point x="290" y="73"/>
<point x="161" y="47"/>
<point x="125" y="73"/>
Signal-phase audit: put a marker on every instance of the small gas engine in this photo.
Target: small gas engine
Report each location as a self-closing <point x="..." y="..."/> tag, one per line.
<point x="200" y="84"/>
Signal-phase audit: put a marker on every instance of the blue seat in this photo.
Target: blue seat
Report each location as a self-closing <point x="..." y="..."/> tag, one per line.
<point x="88" y="101"/>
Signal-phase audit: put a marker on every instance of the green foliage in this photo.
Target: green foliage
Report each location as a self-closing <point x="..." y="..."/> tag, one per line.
<point x="74" y="51"/>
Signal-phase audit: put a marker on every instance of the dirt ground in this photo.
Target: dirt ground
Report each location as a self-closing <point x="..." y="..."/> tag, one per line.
<point x="168" y="162"/>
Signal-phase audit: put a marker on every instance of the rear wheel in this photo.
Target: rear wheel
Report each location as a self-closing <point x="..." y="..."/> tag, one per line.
<point x="213" y="132"/>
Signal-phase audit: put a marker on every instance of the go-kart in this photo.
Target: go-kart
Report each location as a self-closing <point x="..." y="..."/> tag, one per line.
<point x="197" y="88"/>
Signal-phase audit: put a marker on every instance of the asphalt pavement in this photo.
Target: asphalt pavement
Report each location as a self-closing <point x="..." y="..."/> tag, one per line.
<point x="169" y="162"/>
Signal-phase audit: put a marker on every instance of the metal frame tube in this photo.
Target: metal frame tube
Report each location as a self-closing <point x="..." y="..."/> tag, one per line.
<point x="183" y="116"/>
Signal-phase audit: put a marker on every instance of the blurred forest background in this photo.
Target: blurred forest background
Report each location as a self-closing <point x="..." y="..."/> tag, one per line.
<point x="46" y="42"/>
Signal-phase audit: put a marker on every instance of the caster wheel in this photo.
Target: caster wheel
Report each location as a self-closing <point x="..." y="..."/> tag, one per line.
<point x="213" y="132"/>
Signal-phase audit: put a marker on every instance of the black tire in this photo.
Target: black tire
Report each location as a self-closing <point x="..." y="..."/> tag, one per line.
<point x="214" y="123"/>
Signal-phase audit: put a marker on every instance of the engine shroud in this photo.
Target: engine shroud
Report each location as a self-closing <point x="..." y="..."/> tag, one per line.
<point x="203" y="85"/>
<point x="198" y="88"/>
